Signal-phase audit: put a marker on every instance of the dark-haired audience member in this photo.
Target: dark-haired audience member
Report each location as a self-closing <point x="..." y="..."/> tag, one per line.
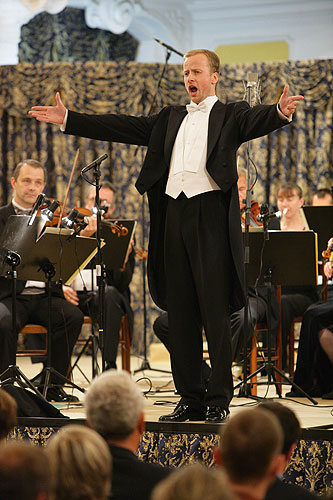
<point x="194" y="482"/>
<point x="114" y="408"/>
<point x="80" y="463"/>
<point x="117" y="292"/>
<point x="291" y="432"/>
<point x="294" y="299"/>
<point x="24" y="472"/>
<point x="314" y="367"/>
<point x="250" y="452"/>
<point x="322" y="197"/>
<point x="8" y="411"/>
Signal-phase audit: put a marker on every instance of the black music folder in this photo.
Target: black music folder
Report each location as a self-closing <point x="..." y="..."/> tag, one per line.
<point x="320" y="220"/>
<point x="117" y="246"/>
<point x="291" y="257"/>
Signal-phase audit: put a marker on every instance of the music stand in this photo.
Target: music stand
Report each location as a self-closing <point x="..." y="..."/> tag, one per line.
<point x="320" y="219"/>
<point x="280" y="250"/>
<point x="55" y="256"/>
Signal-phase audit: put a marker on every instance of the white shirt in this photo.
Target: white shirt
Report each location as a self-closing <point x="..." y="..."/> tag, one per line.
<point x="188" y="171"/>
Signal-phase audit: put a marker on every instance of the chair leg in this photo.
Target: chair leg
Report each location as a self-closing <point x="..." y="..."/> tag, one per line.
<point x="292" y="349"/>
<point x="253" y="362"/>
<point x="125" y="343"/>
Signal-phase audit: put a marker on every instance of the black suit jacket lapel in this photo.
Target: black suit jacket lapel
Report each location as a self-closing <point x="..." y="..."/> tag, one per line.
<point x="176" y="117"/>
<point x="216" y="119"/>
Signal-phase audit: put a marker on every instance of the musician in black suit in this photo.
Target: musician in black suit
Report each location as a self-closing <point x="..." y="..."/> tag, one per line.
<point x="31" y="300"/>
<point x="114" y="408"/>
<point x="195" y="246"/>
<point x="291" y="431"/>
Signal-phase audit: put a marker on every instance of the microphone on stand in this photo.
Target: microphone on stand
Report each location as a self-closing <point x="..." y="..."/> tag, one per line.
<point x="169" y="47"/>
<point x="252" y="89"/>
<point x="266" y="215"/>
<point x="38" y="203"/>
<point x="94" y="163"/>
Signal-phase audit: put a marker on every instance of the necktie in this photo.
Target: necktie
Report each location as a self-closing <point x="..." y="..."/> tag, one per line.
<point x="202" y="106"/>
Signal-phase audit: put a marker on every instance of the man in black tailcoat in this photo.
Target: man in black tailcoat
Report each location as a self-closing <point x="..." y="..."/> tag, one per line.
<point x="195" y="264"/>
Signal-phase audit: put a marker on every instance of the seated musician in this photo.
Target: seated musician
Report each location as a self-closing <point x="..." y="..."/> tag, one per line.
<point x="322" y="197"/>
<point x="28" y="182"/>
<point x="117" y="292"/>
<point x="294" y="299"/>
<point x="257" y="298"/>
<point x="314" y="368"/>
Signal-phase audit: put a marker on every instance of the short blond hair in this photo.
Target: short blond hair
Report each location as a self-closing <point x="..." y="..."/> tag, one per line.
<point x="8" y="413"/>
<point x="213" y="59"/>
<point x="194" y="482"/>
<point x="80" y="463"/>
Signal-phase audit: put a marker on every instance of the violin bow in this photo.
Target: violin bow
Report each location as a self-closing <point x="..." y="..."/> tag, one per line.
<point x="68" y="187"/>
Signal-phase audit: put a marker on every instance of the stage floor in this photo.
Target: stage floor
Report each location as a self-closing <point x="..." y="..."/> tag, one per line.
<point x="161" y="399"/>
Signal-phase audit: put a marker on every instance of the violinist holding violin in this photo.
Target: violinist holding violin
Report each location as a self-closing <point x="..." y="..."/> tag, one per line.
<point x="117" y="293"/>
<point x="28" y="181"/>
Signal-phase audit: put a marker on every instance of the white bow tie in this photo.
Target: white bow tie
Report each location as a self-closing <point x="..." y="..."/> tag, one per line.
<point x="202" y="106"/>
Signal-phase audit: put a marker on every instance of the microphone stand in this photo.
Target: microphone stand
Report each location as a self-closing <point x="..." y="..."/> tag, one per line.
<point x="145" y="363"/>
<point x="244" y="387"/>
<point x="100" y="267"/>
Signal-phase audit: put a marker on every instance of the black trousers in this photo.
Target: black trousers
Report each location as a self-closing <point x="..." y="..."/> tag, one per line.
<point x="313" y="368"/>
<point x="114" y="311"/>
<point x="257" y="313"/>
<point x="198" y="268"/>
<point x="66" y="320"/>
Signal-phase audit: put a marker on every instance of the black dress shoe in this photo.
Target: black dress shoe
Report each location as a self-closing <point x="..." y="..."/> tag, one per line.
<point x="314" y="392"/>
<point x="182" y="413"/>
<point x="329" y="395"/>
<point x="216" y="414"/>
<point x="58" y="395"/>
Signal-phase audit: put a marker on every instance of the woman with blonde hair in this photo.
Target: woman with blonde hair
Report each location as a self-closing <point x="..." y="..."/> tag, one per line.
<point x="194" y="482"/>
<point x="80" y="463"/>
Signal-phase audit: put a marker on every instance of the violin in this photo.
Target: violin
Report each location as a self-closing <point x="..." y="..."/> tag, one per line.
<point x="255" y="211"/>
<point x="328" y="253"/>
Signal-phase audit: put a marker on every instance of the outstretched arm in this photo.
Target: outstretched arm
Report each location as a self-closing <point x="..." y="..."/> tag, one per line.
<point x="50" y="114"/>
<point x="288" y="104"/>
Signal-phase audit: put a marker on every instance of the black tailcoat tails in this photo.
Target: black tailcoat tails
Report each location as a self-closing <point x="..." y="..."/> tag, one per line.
<point x="229" y="126"/>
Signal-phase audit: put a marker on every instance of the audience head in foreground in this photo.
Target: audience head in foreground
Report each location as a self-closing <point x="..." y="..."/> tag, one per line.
<point x="291" y="432"/>
<point x="114" y="408"/>
<point x="194" y="482"/>
<point x="250" y="452"/>
<point x="290" y="426"/>
<point x="80" y="464"/>
<point x="24" y="472"/>
<point x="8" y="411"/>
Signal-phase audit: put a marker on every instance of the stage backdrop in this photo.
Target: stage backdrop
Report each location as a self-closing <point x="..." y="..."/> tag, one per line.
<point x="302" y="152"/>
